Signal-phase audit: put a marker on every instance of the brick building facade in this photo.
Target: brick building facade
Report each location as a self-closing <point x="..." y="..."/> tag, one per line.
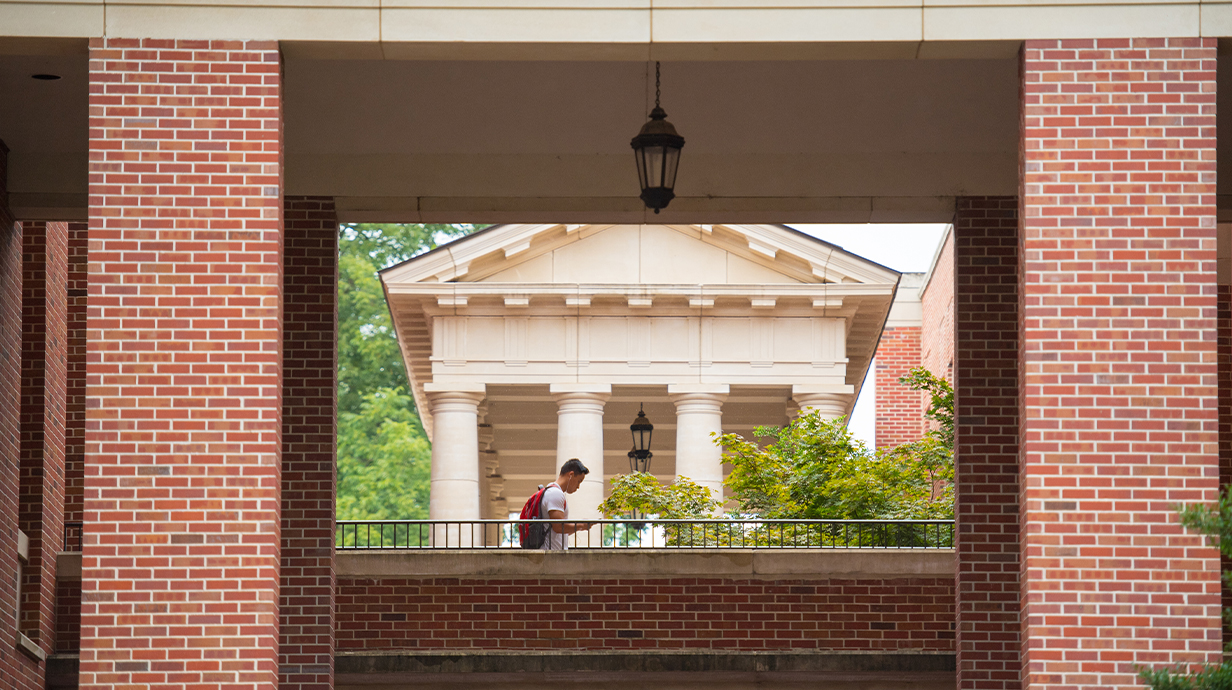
<point x="170" y="385"/>
<point x="919" y="333"/>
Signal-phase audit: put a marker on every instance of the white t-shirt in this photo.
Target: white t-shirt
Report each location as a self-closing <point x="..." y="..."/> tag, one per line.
<point x="554" y="499"/>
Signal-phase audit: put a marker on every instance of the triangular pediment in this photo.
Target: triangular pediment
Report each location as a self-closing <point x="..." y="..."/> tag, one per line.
<point x="640" y="254"/>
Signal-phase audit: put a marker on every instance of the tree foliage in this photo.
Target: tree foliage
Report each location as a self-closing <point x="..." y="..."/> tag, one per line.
<point x="814" y="468"/>
<point x="383" y="454"/>
<point x="368" y="354"/>
<point x="1216" y="523"/>
<point x="383" y="460"/>
<point x="684" y="499"/>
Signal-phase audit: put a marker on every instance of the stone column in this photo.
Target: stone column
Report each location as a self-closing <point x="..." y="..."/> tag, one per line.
<point x="579" y="434"/>
<point x="699" y="414"/>
<point x="454" y="489"/>
<point x="491" y="484"/>
<point x="831" y="401"/>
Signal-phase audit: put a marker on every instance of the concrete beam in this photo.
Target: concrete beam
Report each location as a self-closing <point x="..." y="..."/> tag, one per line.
<point x="647" y="668"/>
<point x="729" y="563"/>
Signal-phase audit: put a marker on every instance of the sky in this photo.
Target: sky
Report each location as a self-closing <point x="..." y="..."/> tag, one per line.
<point x="907" y="248"/>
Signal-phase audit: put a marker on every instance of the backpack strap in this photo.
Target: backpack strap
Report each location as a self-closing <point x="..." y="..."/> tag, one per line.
<point x="545" y="491"/>
<point x="539" y="503"/>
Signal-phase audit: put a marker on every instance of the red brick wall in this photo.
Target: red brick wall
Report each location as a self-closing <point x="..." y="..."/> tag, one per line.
<point x="16" y="670"/>
<point x="68" y="616"/>
<point x="1119" y="392"/>
<point x="676" y="613"/>
<point x="900" y="410"/>
<point x="44" y="364"/>
<point x="309" y="436"/>
<point x="75" y="392"/>
<point x="180" y="569"/>
<point x="986" y="314"/>
<point x="1224" y="346"/>
<point x="937" y="304"/>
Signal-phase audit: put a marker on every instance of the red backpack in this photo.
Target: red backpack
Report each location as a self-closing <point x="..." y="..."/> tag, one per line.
<point x="533" y="535"/>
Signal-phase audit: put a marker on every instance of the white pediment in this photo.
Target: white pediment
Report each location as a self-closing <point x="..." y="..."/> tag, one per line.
<point x="640" y="254"/>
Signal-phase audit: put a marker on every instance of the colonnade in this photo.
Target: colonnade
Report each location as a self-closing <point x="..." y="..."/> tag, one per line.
<point x="457" y="461"/>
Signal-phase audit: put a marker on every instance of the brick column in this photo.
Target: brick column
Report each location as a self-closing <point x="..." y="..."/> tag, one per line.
<point x="18" y="670"/>
<point x="1119" y="391"/>
<point x="75" y="392"/>
<point x="1224" y="357"/>
<point x="180" y="571"/>
<point x="44" y="364"/>
<point x="986" y="317"/>
<point x="309" y="443"/>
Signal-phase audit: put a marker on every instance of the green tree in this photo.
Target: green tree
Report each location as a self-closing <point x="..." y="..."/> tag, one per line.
<point x="642" y="493"/>
<point x="383" y="454"/>
<point x="1216" y="523"/>
<point x="368" y="355"/>
<point x="814" y="468"/>
<point x="383" y="460"/>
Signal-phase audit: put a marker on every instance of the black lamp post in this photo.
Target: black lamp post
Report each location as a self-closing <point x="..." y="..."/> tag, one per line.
<point x="639" y="457"/>
<point x="657" y="149"/>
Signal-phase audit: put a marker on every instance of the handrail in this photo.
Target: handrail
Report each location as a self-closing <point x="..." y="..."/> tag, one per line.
<point x="732" y="533"/>
<point x="74" y="531"/>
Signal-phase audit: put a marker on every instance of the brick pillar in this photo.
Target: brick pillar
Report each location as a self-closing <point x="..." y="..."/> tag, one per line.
<point x="986" y="320"/>
<point x="1224" y="356"/>
<point x="17" y="670"/>
<point x="75" y="392"/>
<point x="900" y="410"/>
<point x="1119" y="391"/>
<point x="44" y="364"/>
<point x="309" y="443"/>
<point x="180" y="571"/>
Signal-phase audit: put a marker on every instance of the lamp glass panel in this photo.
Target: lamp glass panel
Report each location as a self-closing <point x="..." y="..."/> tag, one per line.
<point x="640" y="155"/>
<point x="654" y="166"/>
<point x="671" y="162"/>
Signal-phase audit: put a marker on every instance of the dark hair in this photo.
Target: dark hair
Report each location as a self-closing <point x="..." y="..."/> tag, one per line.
<point x="575" y="466"/>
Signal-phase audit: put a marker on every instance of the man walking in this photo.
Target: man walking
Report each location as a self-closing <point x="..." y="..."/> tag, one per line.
<point x="556" y="507"/>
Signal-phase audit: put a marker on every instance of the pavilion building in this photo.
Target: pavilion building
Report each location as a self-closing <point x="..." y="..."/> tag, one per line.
<point x="527" y="345"/>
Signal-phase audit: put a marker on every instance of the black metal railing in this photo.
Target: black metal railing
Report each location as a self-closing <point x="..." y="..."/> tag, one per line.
<point x="73" y="534"/>
<point x="652" y="534"/>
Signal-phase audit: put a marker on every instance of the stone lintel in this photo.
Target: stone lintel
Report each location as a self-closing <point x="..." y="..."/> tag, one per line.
<point x="812" y="564"/>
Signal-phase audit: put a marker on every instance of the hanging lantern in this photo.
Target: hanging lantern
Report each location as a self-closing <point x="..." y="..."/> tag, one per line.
<point x="642" y="429"/>
<point x="657" y="150"/>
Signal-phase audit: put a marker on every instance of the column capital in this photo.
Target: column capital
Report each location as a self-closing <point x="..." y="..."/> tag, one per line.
<point x="698" y="398"/>
<point x="580" y="397"/>
<point x="832" y="401"/>
<point x="446" y="398"/>
<point x="695" y="397"/>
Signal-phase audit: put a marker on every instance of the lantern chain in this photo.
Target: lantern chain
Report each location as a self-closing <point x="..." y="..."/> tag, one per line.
<point x="656" y="83"/>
